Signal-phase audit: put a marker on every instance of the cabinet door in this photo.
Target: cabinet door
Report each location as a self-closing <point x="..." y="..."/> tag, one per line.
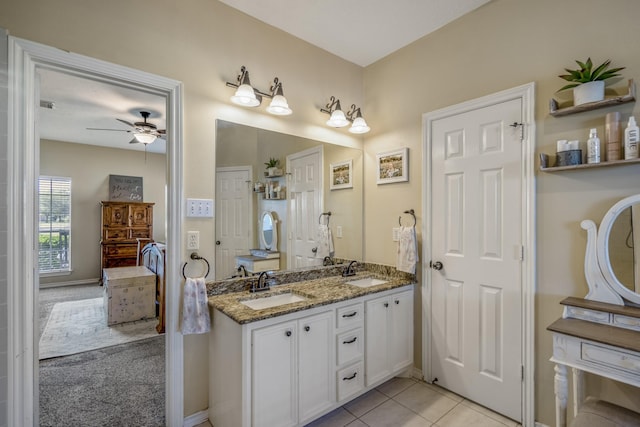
<point x="315" y="365"/>
<point x="376" y="342"/>
<point x="401" y="331"/>
<point x="140" y="215"/>
<point x="273" y="396"/>
<point x="115" y="215"/>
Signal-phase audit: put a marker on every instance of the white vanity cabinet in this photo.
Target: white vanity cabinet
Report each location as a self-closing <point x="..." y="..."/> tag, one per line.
<point x="389" y="335"/>
<point x="292" y="371"/>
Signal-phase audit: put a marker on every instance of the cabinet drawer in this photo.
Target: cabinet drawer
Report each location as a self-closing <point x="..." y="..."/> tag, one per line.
<point x="626" y="322"/>
<point x="120" y="250"/>
<point x="350" y="346"/>
<point x="139" y="233"/>
<point x="115" y="233"/>
<point x="351" y="315"/>
<point x="350" y="380"/>
<point x="611" y="358"/>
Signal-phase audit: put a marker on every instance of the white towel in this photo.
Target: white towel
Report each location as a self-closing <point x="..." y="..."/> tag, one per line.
<point x="325" y="242"/>
<point x="195" y="310"/>
<point x="407" y="250"/>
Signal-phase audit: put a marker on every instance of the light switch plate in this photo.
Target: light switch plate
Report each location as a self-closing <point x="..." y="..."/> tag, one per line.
<point x="200" y="208"/>
<point x="339" y="232"/>
<point x="395" y="234"/>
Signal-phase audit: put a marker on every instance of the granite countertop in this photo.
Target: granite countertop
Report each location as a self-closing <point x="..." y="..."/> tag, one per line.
<point x="318" y="292"/>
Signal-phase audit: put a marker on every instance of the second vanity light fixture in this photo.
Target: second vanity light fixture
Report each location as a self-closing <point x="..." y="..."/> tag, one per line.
<point x="339" y="119"/>
<point x="248" y="96"/>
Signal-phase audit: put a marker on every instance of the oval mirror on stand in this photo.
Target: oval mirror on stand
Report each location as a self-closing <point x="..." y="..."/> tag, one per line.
<point x="268" y="232"/>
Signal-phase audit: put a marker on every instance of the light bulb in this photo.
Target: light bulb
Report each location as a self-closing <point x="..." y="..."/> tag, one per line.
<point x="359" y="126"/>
<point x="245" y="96"/>
<point x="279" y="106"/>
<point x="337" y="119"/>
<point x="145" y="138"/>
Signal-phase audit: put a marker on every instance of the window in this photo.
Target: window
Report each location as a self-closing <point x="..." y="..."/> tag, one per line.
<point x="54" y="233"/>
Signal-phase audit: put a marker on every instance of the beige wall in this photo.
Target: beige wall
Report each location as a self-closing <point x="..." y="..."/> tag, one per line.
<point x="89" y="168"/>
<point x="501" y="45"/>
<point x="505" y="44"/>
<point x="202" y="44"/>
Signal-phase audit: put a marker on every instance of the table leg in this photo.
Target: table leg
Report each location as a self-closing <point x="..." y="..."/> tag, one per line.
<point x="561" y="389"/>
<point x="578" y="389"/>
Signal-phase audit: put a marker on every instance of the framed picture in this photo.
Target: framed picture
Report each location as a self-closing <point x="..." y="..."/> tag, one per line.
<point x="393" y="166"/>
<point x="341" y="175"/>
<point x="125" y="188"/>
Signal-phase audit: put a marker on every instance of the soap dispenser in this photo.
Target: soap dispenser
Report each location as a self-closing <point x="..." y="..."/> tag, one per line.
<point x="631" y="137"/>
<point x="593" y="147"/>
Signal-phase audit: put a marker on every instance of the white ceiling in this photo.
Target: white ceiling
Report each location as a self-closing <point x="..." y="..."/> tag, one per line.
<point x="360" y="31"/>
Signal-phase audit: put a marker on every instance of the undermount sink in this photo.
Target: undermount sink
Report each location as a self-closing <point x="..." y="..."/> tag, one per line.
<point x="273" y="301"/>
<point x="366" y="282"/>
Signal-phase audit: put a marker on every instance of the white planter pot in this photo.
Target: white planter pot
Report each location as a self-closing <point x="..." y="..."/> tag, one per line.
<point x="588" y="92"/>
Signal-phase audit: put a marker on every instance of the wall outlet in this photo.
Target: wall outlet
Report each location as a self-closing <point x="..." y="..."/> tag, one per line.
<point x="395" y="234"/>
<point x="193" y="240"/>
<point x="339" y="232"/>
<point x="200" y="208"/>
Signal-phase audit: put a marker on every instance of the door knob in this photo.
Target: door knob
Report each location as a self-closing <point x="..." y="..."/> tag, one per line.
<point x="314" y="250"/>
<point x="437" y="265"/>
<point x="218" y="242"/>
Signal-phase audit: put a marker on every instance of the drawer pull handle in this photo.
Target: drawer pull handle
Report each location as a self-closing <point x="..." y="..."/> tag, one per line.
<point x="350" y="378"/>
<point x="307" y="328"/>
<point x="288" y="333"/>
<point x="350" y="314"/>
<point x="351" y="341"/>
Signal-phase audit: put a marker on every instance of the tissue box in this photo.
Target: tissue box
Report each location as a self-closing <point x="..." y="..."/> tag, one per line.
<point x="569" y="158"/>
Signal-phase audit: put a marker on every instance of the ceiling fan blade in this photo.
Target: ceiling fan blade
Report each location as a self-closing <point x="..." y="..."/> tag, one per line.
<point x="162" y="131"/>
<point x="115" y="130"/>
<point x="126" y="122"/>
<point x="134" y="141"/>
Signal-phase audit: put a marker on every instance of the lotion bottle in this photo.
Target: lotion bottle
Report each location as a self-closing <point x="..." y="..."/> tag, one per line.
<point x="631" y="137"/>
<point x="593" y="147"/>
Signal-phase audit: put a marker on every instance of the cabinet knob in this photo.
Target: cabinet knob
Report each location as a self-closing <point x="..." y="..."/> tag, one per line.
<point x="288" y="333"/>
<point x="397" y="301"/>
<point x="386" y="304"/>
<point x="307" y="328"/>
<point x="218" y="242"/>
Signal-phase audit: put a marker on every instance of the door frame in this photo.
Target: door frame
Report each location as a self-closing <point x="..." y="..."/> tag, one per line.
<point x="250" y="193"/>
<point x="25" y="58"/>
<point x="526" y="94"/>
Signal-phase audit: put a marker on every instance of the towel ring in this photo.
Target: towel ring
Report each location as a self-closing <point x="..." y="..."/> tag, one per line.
<point x="327" y="214"/>
<point x="195" y="256"/>
<point x="410" y="212"/>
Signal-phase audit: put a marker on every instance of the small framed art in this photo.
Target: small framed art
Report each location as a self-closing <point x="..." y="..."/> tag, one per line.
<point x="341" y="175"/>
<point x="393" y="166"/>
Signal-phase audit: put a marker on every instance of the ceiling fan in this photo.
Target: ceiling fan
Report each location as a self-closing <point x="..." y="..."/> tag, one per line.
<point x="143" y="131"/>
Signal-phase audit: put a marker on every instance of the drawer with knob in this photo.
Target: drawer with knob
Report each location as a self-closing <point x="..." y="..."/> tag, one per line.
<point x="350" y="346"/>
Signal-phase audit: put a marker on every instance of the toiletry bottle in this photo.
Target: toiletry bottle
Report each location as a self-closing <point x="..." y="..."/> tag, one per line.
<point x="631" y="137"/>
<point x="612" y="137"/>
<point x="593" y="147"/>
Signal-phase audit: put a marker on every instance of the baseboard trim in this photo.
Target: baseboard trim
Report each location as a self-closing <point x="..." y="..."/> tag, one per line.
<point x="196" y="419"/>
<point x="69" y="283"/>
<point x="540" y="425"/>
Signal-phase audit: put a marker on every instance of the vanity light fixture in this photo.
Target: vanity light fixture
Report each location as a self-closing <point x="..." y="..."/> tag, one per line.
<point x="145" y="138"/>
<point x="338" y="118"/>
<point x="248" y="96"/>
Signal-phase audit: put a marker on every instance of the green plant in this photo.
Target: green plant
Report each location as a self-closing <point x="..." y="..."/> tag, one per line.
<point x="272" y="163"/>
<point x="587" y="73"/>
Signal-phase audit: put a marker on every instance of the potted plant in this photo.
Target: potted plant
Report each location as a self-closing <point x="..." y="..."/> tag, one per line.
<point x="587" y="81"/>
<point x="272" y="166"/>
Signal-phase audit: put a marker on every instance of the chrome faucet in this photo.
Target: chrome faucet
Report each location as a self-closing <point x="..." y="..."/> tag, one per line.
<point x="242" y="271"/>
<point x="327" y="261"/>
<point x="261" y="284"/>
<point x="349" y="270"/>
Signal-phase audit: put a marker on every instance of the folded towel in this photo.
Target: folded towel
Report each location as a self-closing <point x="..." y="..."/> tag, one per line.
<point x="407" y="250"/>
<point x="325" y="242"/>
<point x="195" y="310"/>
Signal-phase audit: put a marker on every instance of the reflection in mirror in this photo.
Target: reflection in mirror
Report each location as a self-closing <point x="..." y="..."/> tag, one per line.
<point x="268" y="237"/>
<point x="245" y="189"/>
<point x="624" y="258"/>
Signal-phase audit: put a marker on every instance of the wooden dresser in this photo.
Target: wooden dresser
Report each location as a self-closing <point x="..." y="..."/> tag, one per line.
<point x="125" y="227"/>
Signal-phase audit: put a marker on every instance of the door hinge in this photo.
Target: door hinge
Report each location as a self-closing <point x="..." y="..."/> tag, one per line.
<point x="522" y="373"/>
<point x="521" y="253"/>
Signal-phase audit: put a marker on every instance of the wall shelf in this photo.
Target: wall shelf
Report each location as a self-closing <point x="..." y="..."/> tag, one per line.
<point x="590" y="165"/>
<point x="558" y="112"/>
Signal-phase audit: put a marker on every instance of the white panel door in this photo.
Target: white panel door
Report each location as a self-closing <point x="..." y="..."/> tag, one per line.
<point x="233" y="217"/>
<point x="476" y="235"/>
<point x="305" y="206"/>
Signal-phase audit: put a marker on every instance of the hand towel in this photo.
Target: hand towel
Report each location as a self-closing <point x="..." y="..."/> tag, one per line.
<point x="195" y="310"/>
<point x="407" y="250"/>
<point x="325" y="242"/>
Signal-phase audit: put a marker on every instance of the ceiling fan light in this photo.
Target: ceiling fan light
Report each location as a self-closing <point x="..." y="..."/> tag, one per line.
<point x="337" y="119"/>
<point x="279" y="106"/>
<point x="145" y="138"/>
<point x="359" y="126"/>
<point x="245" y="96"/>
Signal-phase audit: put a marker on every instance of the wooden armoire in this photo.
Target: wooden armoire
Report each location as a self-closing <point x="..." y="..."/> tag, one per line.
<point x="126" y="226"/>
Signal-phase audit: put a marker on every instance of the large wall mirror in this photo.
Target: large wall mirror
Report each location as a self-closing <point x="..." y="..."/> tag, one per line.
<point x="246" y="190"/>
<point x="612" y="260"/>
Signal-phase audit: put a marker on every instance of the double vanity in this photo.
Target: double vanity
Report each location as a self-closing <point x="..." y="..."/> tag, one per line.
<point x="288" y="355"/>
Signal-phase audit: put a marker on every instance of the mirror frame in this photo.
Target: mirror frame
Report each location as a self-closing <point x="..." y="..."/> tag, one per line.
<point x="274" y="236"/>
<point x="603" y="248"/>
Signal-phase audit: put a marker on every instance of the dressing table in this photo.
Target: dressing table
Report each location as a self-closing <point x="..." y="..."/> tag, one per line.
<point x="267" y="258"/>
<point x="600" y="333"/>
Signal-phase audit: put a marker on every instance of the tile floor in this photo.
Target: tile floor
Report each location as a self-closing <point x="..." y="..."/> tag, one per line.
<point x="405" y="402"/>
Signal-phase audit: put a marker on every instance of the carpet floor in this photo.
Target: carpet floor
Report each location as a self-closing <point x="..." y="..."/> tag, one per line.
<point x="121" y="385"/>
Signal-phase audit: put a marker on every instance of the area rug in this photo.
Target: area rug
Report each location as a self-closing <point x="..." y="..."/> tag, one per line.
<point x="77" y="326"/>
<point x="118" y="386"/>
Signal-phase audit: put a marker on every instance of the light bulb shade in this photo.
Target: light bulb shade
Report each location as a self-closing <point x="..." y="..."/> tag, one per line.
<point x="279" y="106"/>
<point x="337" y="119"/>
<point x="245" y="96"/>
<point x="359" y="126"/>
<point x="145" y="138"/>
